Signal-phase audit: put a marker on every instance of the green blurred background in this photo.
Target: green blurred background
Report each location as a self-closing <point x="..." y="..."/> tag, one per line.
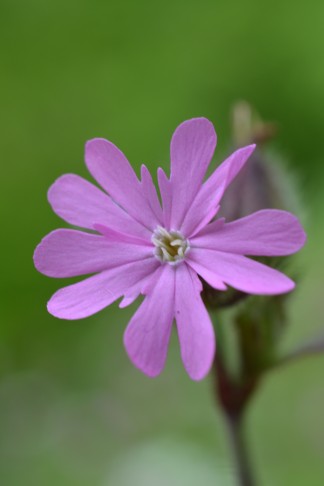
<point x="73" y="411"/>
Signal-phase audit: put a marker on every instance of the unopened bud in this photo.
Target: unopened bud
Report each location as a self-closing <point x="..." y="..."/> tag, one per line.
<point x="264" y="183"/>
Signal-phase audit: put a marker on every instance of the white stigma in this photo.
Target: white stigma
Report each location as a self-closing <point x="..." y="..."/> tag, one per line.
<point x="170" y="246"/>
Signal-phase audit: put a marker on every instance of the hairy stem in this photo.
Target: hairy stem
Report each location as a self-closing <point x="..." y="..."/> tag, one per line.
<point x="233" y="397"/>
<point x="239" y="450"/>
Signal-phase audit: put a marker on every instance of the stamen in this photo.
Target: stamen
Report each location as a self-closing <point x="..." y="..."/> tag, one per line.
<point x="166" y="255"/>
<point x="170" y="246"/>
<point x="176" y="242"/>
<point x="163" y="231"/>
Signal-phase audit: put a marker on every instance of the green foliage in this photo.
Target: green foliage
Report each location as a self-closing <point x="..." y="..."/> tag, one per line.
<point x="70" y="402"/>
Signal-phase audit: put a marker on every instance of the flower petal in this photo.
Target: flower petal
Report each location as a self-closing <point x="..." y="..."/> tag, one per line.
<point x="147" y="335"/>
<point x="265" y="233"/>
<point x="192" y="148"/>
<point x="69" y="253"/>
<point x="166" y="197"/>
<point x="150" y="193"/>
<point x="94" y="293"/>
<point x="128" y="300"/>
<point x="208" y="275"/>
<point x="239" y="272"/>
<point x="110" y="168"/>
<point x="114" y="236"/>
<point x="143" y="287"/>
<point x="195" y="330"/>
<point x="207" y="200"/>
<point x="80" y="203"/>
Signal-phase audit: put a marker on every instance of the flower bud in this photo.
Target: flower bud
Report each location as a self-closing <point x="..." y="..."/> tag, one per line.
<point x="264" y="183"/>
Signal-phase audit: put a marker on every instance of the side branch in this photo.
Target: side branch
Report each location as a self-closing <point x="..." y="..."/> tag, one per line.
<point x="313" y="347"/>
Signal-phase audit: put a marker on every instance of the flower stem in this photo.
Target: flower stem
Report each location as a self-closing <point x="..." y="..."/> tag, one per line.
<point x="239" y="450"/>
<point x="233" y="397"/>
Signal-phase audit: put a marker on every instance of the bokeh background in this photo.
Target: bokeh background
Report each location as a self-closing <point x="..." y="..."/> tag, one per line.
<point x="73" y="411"/>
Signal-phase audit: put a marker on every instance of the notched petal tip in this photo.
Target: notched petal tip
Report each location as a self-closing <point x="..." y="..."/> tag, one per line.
<point x="145" y="173"/>
<point x="36" y="257"/>
<point x="52" y="190"/>
<point x="290" y="287"/>
<point x="40" y="254"/>
<point x="127" y="300"/>
<point x="52" y="307"/>
<point x="296" y="235"/>
<point x="58" y="312"/>
<point x="193" y="375"/>
<point x="147" y="366"/>
<point x="197" y="121"/>
<point x="252" y="147"/>
<point x="192" y="136"/>
<point x="92" y="141"/>
<point x="196" y="370"/>
<point x="101" y="147"/>
<point x="105" y="161"/>
<point x="284" y="286"/>
<point x="289" y="229"/>
<point x="302" y="236"/>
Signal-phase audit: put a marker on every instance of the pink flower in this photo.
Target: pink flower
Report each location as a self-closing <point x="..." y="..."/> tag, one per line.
<point x="141" y="247"/>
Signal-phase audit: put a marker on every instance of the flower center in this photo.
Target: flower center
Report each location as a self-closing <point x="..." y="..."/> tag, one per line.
<point x="170" y="246"/>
